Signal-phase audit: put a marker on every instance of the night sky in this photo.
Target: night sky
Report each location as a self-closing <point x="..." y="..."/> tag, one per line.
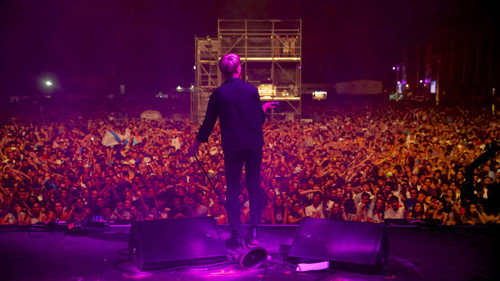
<point x="149" y="45"/>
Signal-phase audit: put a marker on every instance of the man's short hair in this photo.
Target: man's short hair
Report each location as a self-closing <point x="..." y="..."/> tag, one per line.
<point x="318" y="193"/>
<point x="228" y="64"/>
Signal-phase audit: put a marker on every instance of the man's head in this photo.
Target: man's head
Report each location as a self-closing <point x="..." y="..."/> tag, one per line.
<point x="119" y="206"/>
<point x="366" y="187"/>
<point x="191" y="201"/>
<point x="317" y="197"/>
<point x="230" y="66"/>
<point x="365" y="198"/>
<point x="421" y="196"/>
<point x="394" y="201"/>
<point x="413" y="193"/>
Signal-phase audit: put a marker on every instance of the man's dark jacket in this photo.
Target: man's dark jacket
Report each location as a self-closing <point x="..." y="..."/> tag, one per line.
<point x="237" y="105"/>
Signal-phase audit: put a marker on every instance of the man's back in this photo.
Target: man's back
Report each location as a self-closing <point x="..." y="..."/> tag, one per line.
<point x="237" y="104"/>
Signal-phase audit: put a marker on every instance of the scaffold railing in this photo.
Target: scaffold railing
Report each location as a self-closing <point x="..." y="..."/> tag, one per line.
<point x="271" y="56"/>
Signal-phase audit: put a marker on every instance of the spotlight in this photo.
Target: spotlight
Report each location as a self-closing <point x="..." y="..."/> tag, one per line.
<point x="253" y="258"/>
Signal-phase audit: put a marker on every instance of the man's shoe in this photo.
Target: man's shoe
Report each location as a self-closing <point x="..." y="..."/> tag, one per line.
<point x="252" y="237"/>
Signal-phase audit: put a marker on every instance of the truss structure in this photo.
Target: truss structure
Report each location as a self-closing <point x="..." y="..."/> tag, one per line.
<point x="271" y="56"/>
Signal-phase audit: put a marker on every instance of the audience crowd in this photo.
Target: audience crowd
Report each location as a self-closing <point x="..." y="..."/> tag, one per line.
<point x="356" y="161"/>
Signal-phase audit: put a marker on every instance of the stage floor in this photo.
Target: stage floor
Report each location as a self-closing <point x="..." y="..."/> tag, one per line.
<point x="415" y="253"/>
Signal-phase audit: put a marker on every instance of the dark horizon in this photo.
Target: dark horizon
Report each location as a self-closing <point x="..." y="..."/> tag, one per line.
<point x="92" y="47"/>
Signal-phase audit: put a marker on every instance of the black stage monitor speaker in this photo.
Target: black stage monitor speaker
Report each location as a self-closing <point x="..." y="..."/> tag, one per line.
<point x="170" y="243"/>
<point x="354" y="246"/>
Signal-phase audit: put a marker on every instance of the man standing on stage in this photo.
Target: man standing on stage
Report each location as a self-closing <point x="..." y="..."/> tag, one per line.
<point x="237" y="105"/>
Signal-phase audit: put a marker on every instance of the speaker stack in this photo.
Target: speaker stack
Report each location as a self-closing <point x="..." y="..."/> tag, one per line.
<point x="354" y="246"/>
<point x="171" y="243"/>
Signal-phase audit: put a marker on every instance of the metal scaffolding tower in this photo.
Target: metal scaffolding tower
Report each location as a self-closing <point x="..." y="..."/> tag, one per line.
<point x="271" y="56"/>
<point x="208" y="76"/>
